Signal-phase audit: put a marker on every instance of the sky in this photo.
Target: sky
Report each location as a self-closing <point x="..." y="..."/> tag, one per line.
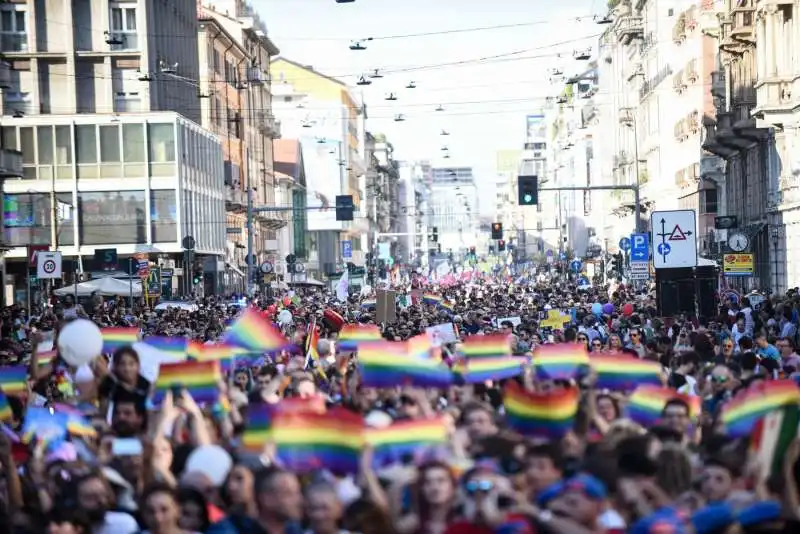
<point x="487" y="80"/>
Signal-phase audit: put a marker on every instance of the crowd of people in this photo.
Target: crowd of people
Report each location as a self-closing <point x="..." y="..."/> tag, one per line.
<point x="179" y="464"/>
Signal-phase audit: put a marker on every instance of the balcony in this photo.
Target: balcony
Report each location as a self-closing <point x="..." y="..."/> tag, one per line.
<point x="691" y="72"/>
<point x="628" y="26"/>
<point x="681" y="130"/>
<point x="123" y="41"/>
<point x="10" y="164"/>
<point x="692" y="122"/>
<point x="742" y="27"/>
<point x="268" y="125"/>
<point x="679" y="30"/>
<point x="679" y="82"/>
<point x="235" y="199"/>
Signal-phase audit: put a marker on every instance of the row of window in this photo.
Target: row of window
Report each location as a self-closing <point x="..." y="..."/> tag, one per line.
<point x="122" y="27"/>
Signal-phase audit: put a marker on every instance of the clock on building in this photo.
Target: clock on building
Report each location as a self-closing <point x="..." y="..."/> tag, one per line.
<point x="738" y="242"/>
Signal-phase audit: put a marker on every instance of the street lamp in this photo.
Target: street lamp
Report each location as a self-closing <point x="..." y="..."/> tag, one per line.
<point x="775" y="232"/>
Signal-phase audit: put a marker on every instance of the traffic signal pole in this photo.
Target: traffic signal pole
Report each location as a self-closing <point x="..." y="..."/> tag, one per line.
<point x="637" y="206"/>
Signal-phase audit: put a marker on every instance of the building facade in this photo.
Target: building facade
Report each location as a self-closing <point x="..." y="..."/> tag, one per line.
<point x="453" y="209"/>
<point x="326" y="117"/>
<point x="138" y="183"/>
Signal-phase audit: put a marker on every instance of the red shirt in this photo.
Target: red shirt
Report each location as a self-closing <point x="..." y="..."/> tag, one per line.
<point x="514" y="524"/>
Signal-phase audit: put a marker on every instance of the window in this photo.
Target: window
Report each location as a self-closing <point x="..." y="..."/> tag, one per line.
<point x="133" y="143"/>
<point x="163" y="216"/>
<point x="28" y="152"/>
<point x="161" y="142"/>
<point x="126" y="87"/>
<point x="63" y="152"/>
<point x="17" y="102"/>
<point x="109" y="144"/>
<point x="86" y="144"/>
<point x="123" y="27"/>
<point x="44" y="145"/>
<point x="708" y="200"/>
<point x="13" y="28"/>
<point x="9" y="138"/>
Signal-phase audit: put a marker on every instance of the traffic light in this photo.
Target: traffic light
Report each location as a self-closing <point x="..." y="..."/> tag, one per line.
<point x="501" y="245"/>
<point x="617" y="262"/>
<point x="528" y="190"/>
<point x="197" y="277"/>
<point x="344" y="207"/>
<point x="497" y="230"/>
<point x="434" y="234"/>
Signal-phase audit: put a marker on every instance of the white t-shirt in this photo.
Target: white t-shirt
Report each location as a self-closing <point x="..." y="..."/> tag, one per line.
<point x="117" y="523"/>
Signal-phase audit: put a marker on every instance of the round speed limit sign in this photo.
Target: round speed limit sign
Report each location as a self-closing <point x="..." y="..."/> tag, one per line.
<point x="49" y="267"/>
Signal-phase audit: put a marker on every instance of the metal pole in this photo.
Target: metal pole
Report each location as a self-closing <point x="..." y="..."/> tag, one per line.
<point x="249" y="239"/>
<point x="130" y="278"/>
<point x="636" y="207"/>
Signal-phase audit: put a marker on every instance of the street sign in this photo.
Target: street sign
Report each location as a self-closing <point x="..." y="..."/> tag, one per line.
<point x="347" y="250"/>
<point x="575" y="265"/>
<point x="266" y="267"/>
<point x="640" y="247"/>
<point x="105" y="259"/>
<point x="48" y="264"/>
<point x="625" y="244"/>
<point x="188" y="242"/>
<point x="154" y="282"/>
<point x="640" y="270"/>
<point x="674" y="239"/>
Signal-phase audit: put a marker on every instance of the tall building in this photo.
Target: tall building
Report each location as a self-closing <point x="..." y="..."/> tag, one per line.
<point x="415" y="192"/>
<point x="102" y="101"/>
<point x="453" y="209"/>
<point x="386" y="203"/>
<point x="233" y="87"/>
<point x="326" y="117"/>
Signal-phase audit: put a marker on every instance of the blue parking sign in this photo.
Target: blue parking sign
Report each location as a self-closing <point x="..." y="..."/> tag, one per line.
<point x="347" y="250"/>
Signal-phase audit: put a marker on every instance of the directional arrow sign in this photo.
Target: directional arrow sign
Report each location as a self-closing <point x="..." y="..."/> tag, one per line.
<point x="674" y="240"/>
<point x="640" y="247"/>
<point x="625" y="244"/>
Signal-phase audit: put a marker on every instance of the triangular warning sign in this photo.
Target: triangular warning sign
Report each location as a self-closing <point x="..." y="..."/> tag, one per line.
<point x="677" y="234"/>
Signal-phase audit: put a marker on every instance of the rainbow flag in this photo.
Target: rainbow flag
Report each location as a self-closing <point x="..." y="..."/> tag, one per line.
<point x="5" y="408"/>
<point x="307" y="442"/>
<point x="352" y="335"/>
<point x="549" y="415"/>
<point x="254" y="333"/>
<point x="14" y="380"/>
<point x="449" y="307"/>
<point x="479" y="370"/>
<point x="44" y="425"/>
<point x="368" y="304"/>
<point x="115" y="337"/>
<point x="482" y="347"/>
<point x="46" y="358"/>
<point x="257" y="430"/>
<point x="560" y="362"/>
<point x="312" y="351"/>
<point x="625" y="373"/>
<point x="400" y="439"/>
<point x="646" y="404"/>
<point x="420" y="346"/>
<point x="174" y="346"/>
<point x="200" y="379"/>
<point x="742" y="413"/>
<point x="223" y="353"/>
<point x="431" y="300"/>
<point x="387" y="365"/>
<point x="77" y="423"/>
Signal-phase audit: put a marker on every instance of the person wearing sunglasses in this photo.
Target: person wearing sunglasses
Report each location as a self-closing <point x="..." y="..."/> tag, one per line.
<point x="636" y="343"/>
<point x="726" y="351"/>
<point x="596" y="346"/>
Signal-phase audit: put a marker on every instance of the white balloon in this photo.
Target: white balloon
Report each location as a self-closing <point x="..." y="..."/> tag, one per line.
<point x="285" y="317"/>
<point x="211" y="460"/>
<point x="79" y="342"/>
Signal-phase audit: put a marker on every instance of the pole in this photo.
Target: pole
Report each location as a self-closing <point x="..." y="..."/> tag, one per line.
<point x="249" y="239"/>
<point x="636" y="207"/>
<point x="130" y="278"/>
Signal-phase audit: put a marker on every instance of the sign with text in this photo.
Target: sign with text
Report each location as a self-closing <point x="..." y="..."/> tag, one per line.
<point x="640" y="270"/>
<point x="105" y="259"/>
<point x="738" y="264"/>
<point x="48" y="265"/>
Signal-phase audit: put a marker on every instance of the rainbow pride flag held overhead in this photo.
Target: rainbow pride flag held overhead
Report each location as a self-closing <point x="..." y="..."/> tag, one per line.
<point x="449" y="307"/>
<point x="387" y="365"/>
<point x="257" y="430"/>
<point x="14" y="380"/>
<point x="307" y="442"/>
<point x="200" y="379"/>
<point x="646" y="404"/>
<point x="43" y="425"/>
<point x="420" y="346"/>
<point x="254" y="333"/>
<point x="741" y="414"/>
<point x="549" y="415"/>
<point x="625" y="373"/>
<point x="46" y="358"/>
<point x="224" y="353"/>
<point x="116" y="337"/>
<point x="400" y="439"/>
<point x="560" y="362"/>
<point x="352" y="335"/>
<point x="494" y="346"/>
<point x="479" y="370"/>
<point x="431" y="300"/>
<point x="5" y="408"/>
<point x="174" y="346"/>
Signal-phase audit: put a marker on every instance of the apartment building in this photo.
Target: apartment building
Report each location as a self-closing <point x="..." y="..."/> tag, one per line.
<point x="102" y="101"/>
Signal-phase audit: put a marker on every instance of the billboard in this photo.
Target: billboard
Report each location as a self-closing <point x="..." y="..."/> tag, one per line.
<point x="112" y="217"/>
<point x="324" y="177"/>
